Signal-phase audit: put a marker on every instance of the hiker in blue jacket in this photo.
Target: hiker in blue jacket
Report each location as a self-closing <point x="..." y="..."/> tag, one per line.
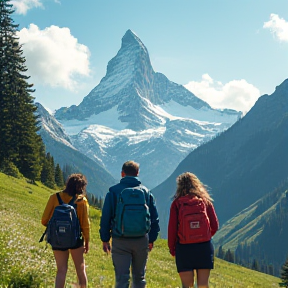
<point x="128" y="249"/>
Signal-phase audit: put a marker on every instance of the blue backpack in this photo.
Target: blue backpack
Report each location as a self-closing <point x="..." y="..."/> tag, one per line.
<point x="132" y="216"/>
<point x="63" y="229"/>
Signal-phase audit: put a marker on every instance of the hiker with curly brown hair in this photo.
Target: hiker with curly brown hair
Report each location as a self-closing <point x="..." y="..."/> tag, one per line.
<point x="192" y="223"/>
<point x="69" y="235"/>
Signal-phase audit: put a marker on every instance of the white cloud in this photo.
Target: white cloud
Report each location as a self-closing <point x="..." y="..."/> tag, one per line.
<point x="236" y="94"/>
<point x="22" y="6"/>
<point x="278" y="26"/>
<point x="54" y="56"/>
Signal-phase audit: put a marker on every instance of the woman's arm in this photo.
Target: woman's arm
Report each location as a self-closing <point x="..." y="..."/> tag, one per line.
<point x="214" y="224"/>
<point x="83" y="216"/>
<point x="47" y="214"/>
<point x="173" y="228"/>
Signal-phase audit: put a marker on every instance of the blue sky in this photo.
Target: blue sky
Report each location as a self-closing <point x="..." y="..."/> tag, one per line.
<point x="226" y="52"/>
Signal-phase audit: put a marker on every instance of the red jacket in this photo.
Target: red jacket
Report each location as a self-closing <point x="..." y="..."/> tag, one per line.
<point x="173" y="224"/>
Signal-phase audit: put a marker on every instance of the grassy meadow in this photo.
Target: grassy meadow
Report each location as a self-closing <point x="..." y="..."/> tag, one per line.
<point x="24" y="262"/>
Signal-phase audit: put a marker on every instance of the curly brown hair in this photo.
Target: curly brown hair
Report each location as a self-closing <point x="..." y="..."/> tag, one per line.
<point x="188" y="183"/>
<point x="75" y="184"/>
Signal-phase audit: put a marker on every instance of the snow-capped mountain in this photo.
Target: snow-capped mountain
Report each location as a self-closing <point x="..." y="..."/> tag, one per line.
<point x="136" y="113"/>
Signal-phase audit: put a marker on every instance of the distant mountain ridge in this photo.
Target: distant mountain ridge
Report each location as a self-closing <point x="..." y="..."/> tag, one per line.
<point x="136" y="113"/>
<point x="242" y="164"/>
<point x="64" y="153"/>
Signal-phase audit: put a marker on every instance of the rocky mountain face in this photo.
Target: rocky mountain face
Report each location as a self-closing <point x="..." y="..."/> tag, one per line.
<point x="242" y="164"/>
<point x="136" y="113"/>
<point x="59" y="145"/>
<point x="50" y="126"/>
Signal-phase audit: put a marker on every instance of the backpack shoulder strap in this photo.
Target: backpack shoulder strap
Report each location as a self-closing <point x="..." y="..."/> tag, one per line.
<point x="146" y="194"/>
<point x="43" y="235"/>
<point x="72" y="202"/>
<point x="59" y="199"/>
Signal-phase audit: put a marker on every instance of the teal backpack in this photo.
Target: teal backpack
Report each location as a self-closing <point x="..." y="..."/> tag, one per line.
<point x="132" y="216"/>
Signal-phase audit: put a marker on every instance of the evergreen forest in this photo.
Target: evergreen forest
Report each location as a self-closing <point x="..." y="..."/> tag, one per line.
<point x="22" y="151"/>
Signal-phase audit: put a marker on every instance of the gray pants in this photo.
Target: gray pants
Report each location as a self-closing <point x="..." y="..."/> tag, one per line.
<point x="128" y="252"/>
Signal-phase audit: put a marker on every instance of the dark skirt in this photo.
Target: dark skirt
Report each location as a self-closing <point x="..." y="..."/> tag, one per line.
<point x="194" y="256"/>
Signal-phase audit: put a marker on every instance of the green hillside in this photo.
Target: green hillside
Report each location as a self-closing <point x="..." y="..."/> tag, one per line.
<point x="248" y="225"/>
<point x="23" y="260"/>
<point x="260" y="227"/>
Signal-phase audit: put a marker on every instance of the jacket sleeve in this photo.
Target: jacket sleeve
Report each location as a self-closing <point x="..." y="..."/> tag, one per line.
<point x="83" y="216"/>
<point x="48" y="211"/>
<point x="173" y="228"/>
<point x="214" y="224"/>
<point x="106" y="218"/>
<point x="155" y="228"/>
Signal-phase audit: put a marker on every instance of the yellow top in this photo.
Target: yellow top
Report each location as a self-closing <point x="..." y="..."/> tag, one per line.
<point x="82" y="212"/>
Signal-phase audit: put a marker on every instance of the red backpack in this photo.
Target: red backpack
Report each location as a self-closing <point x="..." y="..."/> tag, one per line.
<point x="193" y="221"/>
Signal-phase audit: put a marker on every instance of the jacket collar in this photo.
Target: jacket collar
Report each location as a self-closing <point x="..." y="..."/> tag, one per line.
<point x="130" y="181"/>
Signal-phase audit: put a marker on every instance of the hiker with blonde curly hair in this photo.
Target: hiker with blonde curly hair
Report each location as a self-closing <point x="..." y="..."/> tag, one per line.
<point x="192" y="223"/>
<point x="74" y="195"/>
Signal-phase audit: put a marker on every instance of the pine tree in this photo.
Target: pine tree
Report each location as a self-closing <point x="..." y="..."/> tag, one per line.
<point x="20" y="144"/>
<point x="101" y="202"/>
<point x="91" y="198"/>
<point x="220" y="252"/>
<point x="284" y="274"/>
<point x="96" y="203"/>
<point x="229" y="256"/>
<point x="271" y="269"/>
<point x="47" y="173"/>
<point x="50" y="158"/>
<point x="59" y="176"/>
<point x="6" y="30"/>
<point x="255" y="265"/>
<point x="67" y="171"/>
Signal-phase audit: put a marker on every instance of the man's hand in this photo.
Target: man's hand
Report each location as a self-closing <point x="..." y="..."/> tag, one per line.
<point x="106" y="247"/>
<point x="150" y="246"/>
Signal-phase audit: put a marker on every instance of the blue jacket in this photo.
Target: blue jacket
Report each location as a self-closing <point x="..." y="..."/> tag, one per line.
<point x="109" y="208"/>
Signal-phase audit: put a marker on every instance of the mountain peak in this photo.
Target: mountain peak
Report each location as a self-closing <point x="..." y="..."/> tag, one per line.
<point x="131" y="39"/>
<point x="133" y="90"/>
<point x="130" y="33"/>
<point x="283" y="85"/>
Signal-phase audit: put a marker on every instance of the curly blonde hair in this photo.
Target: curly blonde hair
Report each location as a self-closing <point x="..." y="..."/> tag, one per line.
<point x="188" y="183"/>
